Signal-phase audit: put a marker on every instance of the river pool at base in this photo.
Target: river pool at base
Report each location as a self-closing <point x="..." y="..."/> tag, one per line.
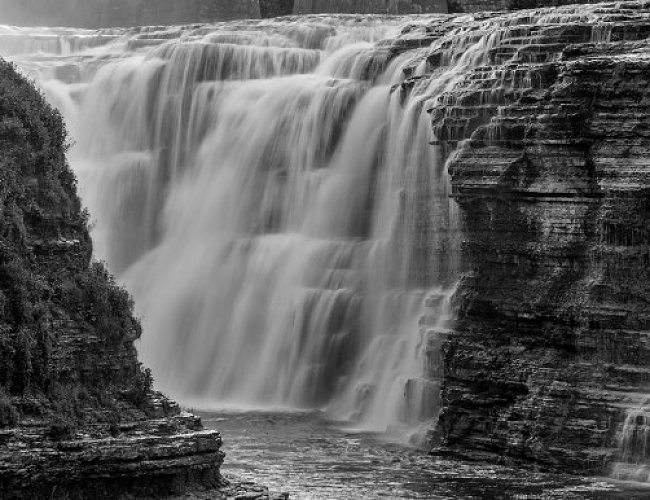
<point x="310" y="457"/>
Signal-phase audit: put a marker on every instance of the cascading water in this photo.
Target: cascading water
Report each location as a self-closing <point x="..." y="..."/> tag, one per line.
<point x="272" y="195"/>
<point x="634" y="445"/>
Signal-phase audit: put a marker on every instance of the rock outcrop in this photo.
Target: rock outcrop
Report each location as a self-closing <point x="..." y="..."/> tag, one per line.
<point x="148" y="458"/>
<point x="549" y="143"/>
<point x="76" y="407"/>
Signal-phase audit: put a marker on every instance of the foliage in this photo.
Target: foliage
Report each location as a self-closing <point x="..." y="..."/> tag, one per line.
<point x="138" y="394"/>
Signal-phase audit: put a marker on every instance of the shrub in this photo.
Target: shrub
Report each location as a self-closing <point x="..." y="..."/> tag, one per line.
<point x="61" y="428"/>
<point x="138" y="394"/>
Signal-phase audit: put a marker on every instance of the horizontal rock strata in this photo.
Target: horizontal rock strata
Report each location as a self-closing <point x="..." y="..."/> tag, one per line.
<point x="156" y="457"/>
<point x="549" y="143"/>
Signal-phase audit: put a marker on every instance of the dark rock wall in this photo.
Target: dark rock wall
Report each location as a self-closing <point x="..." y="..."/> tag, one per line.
<point x="551" y="345"/>
<point x="493" y="5"/>
<point x="70" y="382"/>
<point x="369" y="6"/>
<point x="66" y="329"/>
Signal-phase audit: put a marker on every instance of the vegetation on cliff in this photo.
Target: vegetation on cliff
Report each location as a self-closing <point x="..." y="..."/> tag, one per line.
<point x="66" y="328"/>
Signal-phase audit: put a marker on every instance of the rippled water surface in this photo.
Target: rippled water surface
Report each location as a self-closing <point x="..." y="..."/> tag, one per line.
<point x="312" y="458"/>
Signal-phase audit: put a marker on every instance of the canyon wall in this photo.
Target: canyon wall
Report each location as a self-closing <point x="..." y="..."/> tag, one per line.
<point x="550" y="166"/>
<point x="70" y="381"/>
<point x="495" y="5"/>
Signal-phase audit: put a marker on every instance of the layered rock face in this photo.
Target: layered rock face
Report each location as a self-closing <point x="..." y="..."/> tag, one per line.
<point x="76" y="408"/>
<point x="369" y="6"/>
<point x="492" y="5"/>
<point x="550" y="165"/>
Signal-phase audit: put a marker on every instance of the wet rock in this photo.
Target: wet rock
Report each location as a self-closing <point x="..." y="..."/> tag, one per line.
<point x="549" y="148"/>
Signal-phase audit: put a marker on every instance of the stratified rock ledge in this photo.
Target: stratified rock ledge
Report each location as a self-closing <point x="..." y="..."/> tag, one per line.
<point x="152" y="458"/>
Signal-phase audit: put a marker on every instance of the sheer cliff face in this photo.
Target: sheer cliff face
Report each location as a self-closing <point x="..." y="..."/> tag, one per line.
<point x="494" y="5"/>
<point x="550" y="166"/>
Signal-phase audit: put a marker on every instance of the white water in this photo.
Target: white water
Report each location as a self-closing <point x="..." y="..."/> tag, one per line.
<point x="634" y="445"/>
<point x="269" y="194"/>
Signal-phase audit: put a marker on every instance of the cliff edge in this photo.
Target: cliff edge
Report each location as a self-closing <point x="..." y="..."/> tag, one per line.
<point x="78" y="417"/>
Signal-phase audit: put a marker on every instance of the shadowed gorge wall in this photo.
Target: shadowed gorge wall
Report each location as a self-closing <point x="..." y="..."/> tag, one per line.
<point x="551" y="344"/>
<point x="68" y="366"/>
<point x="49" y="290"/>
<point x="551" y="170"/>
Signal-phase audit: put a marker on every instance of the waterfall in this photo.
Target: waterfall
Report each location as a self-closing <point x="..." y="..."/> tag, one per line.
<point x="274" y="198"/>
<point x="634" y="449"/>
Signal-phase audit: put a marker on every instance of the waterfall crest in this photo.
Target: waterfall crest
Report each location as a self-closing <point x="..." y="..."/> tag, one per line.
<point x="273" y="196"/>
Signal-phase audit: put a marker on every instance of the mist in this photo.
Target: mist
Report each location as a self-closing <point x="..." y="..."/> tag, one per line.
<point x="109" y="13"/>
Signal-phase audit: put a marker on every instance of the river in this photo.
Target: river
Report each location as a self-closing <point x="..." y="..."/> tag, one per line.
<point x="311" y="457"/>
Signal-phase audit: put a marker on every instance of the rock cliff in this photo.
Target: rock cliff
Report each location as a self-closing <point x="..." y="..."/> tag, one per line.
<point x="493" y="5"/>
<point x="76" y="407"/>
<point x="549" y="147"/>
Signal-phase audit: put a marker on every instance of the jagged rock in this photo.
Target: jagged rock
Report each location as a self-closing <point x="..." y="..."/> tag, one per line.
<point x="369" y="6"/>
